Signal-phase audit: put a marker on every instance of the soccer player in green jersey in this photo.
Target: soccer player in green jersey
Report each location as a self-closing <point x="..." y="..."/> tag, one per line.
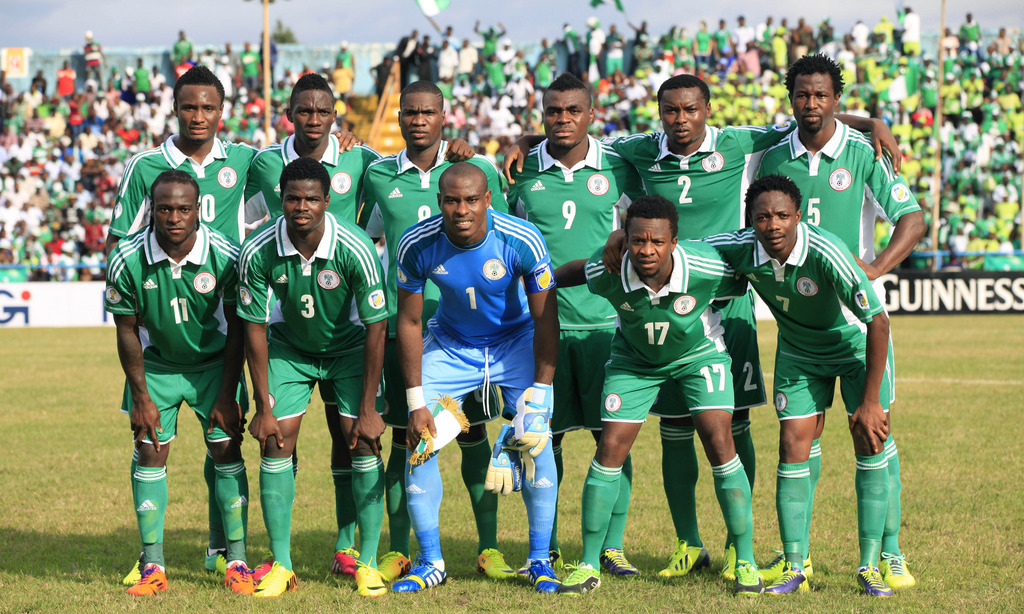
<point x="574" y="189"/>
<point x="171" y="289"/>
<point x="401" y="190"/>
<point x="831" y="324"/>
<point x="844" y="188"/>
<point x="311" y="291"/>
<point x="666" y="331"/>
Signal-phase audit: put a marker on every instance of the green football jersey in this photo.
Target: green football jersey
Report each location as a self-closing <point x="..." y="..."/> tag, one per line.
<point x="221" y="177"/>
<point x="346" y="168"/>
<point x="180" y="305"/>
<point x="317" y="306"/>
<point x="575" y="209"/>
<point x="819" y="296"/>
<point x="707" y="186"/>
<point x="675" y="324"/>
<point x="397" y="194"/>
<point x="841" y="184"/>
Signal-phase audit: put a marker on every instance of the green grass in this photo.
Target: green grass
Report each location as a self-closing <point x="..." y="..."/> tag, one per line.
<point x="67" y="529"/>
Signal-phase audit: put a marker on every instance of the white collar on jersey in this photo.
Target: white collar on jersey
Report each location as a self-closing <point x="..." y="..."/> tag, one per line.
<point x="678" y="281"/>
<point x="796" y="257"/>
<point x="197" y="255"/>
<point x="592" y="159"/>
<point x="330" y="156"/>
<point x="832" y="149"/>
<point x="707" y="145"/>
<point x="175" y="158"/>
<point x="405" y="164"/>
<point x="324" y="250"/>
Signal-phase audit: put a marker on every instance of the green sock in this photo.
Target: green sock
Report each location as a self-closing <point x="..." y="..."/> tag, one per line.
<point x="232" y="491"/>
<point x="745" y="450"/>
<point x="792" y="489"/>
<point x="344" y="508"/>
<point x="891" y="534"/>
<point x="217" y="539"/>
<point x="150" y="498"/>
<point x="368" y="497"/>
<point x="733" y="492"/>
<point x="600" y="492"/>
<point x="617" y="523"/>
<point x="872" y="484"/>
<point x="277" y="495"/>
<point x="557" y="450"/>
<point x="679" y="475"/>
<point x="814" y="464"/>
<point x="399" y="524"/>
<point x="475" y="460"/>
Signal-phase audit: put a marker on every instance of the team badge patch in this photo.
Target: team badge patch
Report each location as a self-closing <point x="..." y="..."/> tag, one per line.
<point x="840" y="179"/>
<point x="784" y="126"/>
<point x="244" y="295"/>
<point x="684" y="304"/>
<point x="613" y="402"/>
<point x="204" y="282"/>
<point x="376" y="299"/>
<point x="328" y="279"/>
<point x="806" y="286"/>
<point x="494" y="269"/>
<point x="227" y="177"/>
<point x="341" y="182"/>
<point x="714" y="162"/>
<point x="862" y="299"/>
<point x="598" y="184"/>
<point x="544" y="278"/>
<point x="781" y="401"/>
<point x="900" y="193"/>
<point x="118" y="209"/>
<point x="402" y="277"/>
<point x="113" y="296"/>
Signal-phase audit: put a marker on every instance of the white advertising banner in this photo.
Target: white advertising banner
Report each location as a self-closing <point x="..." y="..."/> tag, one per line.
<point x="53" y="304"/>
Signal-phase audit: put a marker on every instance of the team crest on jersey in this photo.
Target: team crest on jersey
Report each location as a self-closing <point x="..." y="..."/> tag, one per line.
<point x="494" y="269"/>
<point x="714" y="162"/>
<point x="840" y="179"/>
<point x="328" y="279"/>
<point x="204" y="282"/>
<point x="113" y="296"/>
<point x="227" y="177"/>
<point x="598" y="184"/>
<point x="117" y="210"/>
<point x="684" y="304"/>
<point x="244" y="295"/>
<point x="862" y="299"/>
<point x="613" y="402"/>
<point x="784" y="126"/>
<point x="781" y="401"/>
<point x="806" y="286"/>
<point x="544" y="278"/>
<point x="401" y="276"/>
<point x="376" y="299"/>
<point x="341" y="182"/>
<point x="900" y="193"/>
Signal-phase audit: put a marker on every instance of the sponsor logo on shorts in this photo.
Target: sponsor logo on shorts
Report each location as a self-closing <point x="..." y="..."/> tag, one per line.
<point x="714" y="162"/>
<point x="118" y="210"/>
<point x="376" y="299"/>
<point x="227" y="177"/>
<point x="494" y="269"/>
<point x="328" y="279"/>
<point x="598" y="184"/>
<point x="840" y="179"/>
<point x="244" y="295"/>
<point x="544" y="278"/>
<point x="341" y="182"/>
<point x="613" y="402"/>
<point x="113" y="296"/>
<point x="204" y="282"/>
<point x="781" y="401"/>
<point x="900" y="193"/>
<point x="684" y="304"/>
<point x="862" y="299"/>
<point x="401" y="276"/>
<point x="806" y="286"/>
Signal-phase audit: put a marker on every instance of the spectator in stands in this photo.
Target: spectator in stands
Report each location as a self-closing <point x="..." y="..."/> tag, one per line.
<point x="181" y="50"/>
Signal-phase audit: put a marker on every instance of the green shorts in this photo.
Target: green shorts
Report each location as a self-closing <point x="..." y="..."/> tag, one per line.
<point x="293" y="374"/>
<point x="741" y="342"/>
<point x="579" y="378"/>
<point x="805" y="388"/>
<point x="630" y="388"/>
<point x="197" y="388"/>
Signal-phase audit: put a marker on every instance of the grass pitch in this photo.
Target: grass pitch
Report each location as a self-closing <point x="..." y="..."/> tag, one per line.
<point x="68" y="534"/>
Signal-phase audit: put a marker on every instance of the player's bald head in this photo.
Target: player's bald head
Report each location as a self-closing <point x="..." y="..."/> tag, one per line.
<point x="470" y="174"/>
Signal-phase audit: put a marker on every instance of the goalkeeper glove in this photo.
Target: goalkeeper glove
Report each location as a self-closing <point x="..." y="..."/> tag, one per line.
<point x="505" y="471"/>
<point x="531" y="422"/>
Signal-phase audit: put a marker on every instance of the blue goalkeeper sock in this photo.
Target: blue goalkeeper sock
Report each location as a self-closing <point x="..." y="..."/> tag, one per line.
<point x="424" y="491"/>
<point x="540" y="497"/>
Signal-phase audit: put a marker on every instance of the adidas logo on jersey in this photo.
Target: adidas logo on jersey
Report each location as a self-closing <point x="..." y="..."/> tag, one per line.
<point x="149" y="285"/>
<point x="440" y="270"/>
<point x="283" y="279"/>
<point x="396" y="193"/>
<point x="537" y="187"/>
<point x="625" y="307"/>
<point x="413" y="489"/>
<point x="656" y="168"/>
<point x="147" y="506"/>
<point x="242" y="502"/>
<point x="543" y="483"/>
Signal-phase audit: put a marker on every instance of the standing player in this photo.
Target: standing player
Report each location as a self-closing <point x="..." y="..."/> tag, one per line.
<point x="323" y="279"/>
<point x="666" y="331"/>
<point x="496" y="323"/>
<point x="171" y="289"/>
<point x="841" y="182"/>
<point x="831" y="325"/>
<point x="401" y="190"/>
<point x="574" y="189"/>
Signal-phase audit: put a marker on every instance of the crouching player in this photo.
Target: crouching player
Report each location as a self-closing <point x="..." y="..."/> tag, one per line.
<point x="171" y="289"/>
<point x="831" y="325"/>
<point x="667" y="332"/>
<point x="496" y="323"/>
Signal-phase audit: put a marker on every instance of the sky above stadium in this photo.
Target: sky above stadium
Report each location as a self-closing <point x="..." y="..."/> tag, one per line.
<point x="61" y="23"/>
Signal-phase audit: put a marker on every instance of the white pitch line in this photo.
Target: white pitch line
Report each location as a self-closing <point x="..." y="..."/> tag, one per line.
<point x="947" y="380"/>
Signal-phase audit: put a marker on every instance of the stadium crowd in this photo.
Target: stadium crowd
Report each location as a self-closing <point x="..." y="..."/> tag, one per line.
<point x="65" y="141"/>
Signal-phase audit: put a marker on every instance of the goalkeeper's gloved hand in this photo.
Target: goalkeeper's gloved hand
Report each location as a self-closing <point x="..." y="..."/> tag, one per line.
<point x="533" y="412"/>
<point x="505" y="471"/>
